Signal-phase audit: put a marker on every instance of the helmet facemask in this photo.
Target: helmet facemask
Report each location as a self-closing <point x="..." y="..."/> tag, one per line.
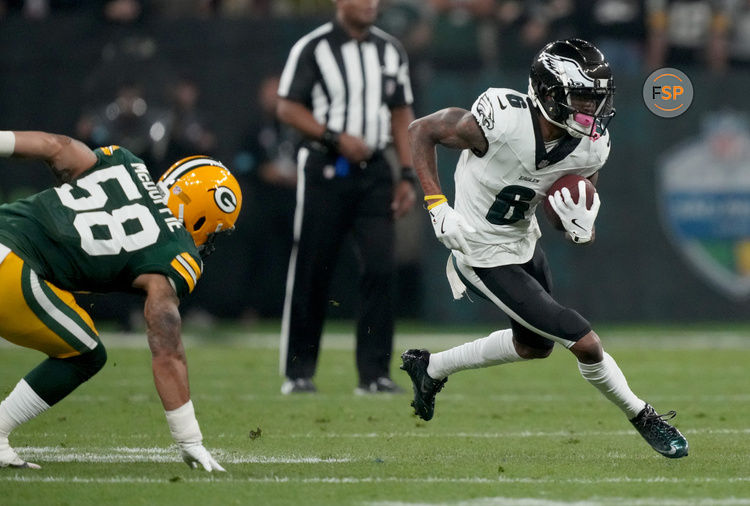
<point x="209" y="247"/>
<point x="589" y="112"/>
<point x="581" y="111"/>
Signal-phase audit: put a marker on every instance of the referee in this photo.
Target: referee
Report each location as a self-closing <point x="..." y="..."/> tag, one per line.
<point x="346" y="88"/>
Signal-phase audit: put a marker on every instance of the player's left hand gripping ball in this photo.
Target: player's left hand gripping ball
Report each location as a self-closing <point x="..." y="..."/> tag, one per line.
<point x="577" y="219"/>
<point x="450" y="226"/>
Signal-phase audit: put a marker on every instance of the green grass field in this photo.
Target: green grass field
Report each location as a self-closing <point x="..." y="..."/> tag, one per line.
<point x="521" y="434"/>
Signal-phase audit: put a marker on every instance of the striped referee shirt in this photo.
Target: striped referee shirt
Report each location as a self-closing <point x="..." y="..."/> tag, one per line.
<point x="349" y="85"/>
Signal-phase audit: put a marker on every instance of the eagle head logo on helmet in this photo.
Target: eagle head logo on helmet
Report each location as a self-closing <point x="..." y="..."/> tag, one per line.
<point x="204" y="196"/>
<point x="571" y="84"/>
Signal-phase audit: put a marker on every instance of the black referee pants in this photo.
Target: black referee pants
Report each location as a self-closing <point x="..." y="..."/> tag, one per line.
<point x="332" y="203"/>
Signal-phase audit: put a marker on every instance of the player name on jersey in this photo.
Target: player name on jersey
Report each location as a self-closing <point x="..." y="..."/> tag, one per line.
<point x="156" y="196"/>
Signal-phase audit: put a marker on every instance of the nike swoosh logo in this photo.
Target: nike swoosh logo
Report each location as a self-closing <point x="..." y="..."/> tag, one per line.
<point x="442" y="226"/>
<point x="672" y="451"/>
<point x="574" y="221"/>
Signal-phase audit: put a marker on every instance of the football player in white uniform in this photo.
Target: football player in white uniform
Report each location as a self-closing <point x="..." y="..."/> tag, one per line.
<point x="514" y="147"/>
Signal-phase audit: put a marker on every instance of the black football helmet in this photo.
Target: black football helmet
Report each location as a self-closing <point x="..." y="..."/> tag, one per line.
<point x="571" y="84"/>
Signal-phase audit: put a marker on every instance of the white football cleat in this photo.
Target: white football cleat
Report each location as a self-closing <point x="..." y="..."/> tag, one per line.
<point x="9" y="457"/>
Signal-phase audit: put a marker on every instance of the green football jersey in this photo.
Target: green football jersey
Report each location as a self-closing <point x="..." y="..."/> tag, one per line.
<point x="102" y="230"/>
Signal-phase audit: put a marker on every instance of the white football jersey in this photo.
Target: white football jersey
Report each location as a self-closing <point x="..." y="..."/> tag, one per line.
<point x="498" y="193"/>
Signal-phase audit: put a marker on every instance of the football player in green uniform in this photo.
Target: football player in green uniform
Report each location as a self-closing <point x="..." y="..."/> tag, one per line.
<point x="106" y="227"/>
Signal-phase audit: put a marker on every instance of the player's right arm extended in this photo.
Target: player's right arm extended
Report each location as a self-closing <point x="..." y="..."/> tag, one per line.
<point x="453" y="128"/>
<point x="67" y="157"/>
<point x="169" y="365"/>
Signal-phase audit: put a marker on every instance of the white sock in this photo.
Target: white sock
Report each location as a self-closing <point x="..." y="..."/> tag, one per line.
<point x="19" y="407"/>
<point x="497" y="348"/>
<point x="610" y="381"/>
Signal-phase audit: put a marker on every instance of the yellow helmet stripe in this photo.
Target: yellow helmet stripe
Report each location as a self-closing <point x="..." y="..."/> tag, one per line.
<point x="176" y="166"/>
<point x="197" y="269"/>
<point x="182" y="271"/>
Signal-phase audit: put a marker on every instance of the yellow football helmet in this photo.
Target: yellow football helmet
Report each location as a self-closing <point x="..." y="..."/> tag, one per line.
<point x="204" y="196"/>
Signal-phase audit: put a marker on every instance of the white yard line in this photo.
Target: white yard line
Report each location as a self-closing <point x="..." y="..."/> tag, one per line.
<point x="498" y="398"/>
<point x="609" y="501"/>
<point x="430" y="434"/>
<point x="487" y="435"/>
<point x="128" y="455"/>
<point x="35" y="477"/>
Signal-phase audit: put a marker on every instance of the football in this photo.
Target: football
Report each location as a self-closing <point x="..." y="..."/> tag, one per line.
<point x="571" y="183"/>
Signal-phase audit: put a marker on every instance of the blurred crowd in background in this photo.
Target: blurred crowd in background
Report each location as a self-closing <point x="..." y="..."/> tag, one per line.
<point x="139" y="86"/>
<point x="459" y="33"/>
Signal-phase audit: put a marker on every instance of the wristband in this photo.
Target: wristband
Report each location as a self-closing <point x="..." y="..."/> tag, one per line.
<point x="330" y="139"/>
<point x="439" y="199"/>
<point x="408" y="174"/>
<point x="7" y="143"/>
<point x="183" y="425"/>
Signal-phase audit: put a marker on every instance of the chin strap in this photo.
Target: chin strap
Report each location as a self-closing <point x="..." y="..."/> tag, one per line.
<point x="209" y="247"/>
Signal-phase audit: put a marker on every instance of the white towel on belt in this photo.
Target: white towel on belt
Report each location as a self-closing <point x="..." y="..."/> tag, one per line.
<point x="457" y="286"/>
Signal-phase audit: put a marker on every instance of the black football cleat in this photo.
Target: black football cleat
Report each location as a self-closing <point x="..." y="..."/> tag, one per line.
<point x="662" y="437"/>
<point x="382" y="385"/>
<point x="298" y="386"/>
<point x="415" y="362"/>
